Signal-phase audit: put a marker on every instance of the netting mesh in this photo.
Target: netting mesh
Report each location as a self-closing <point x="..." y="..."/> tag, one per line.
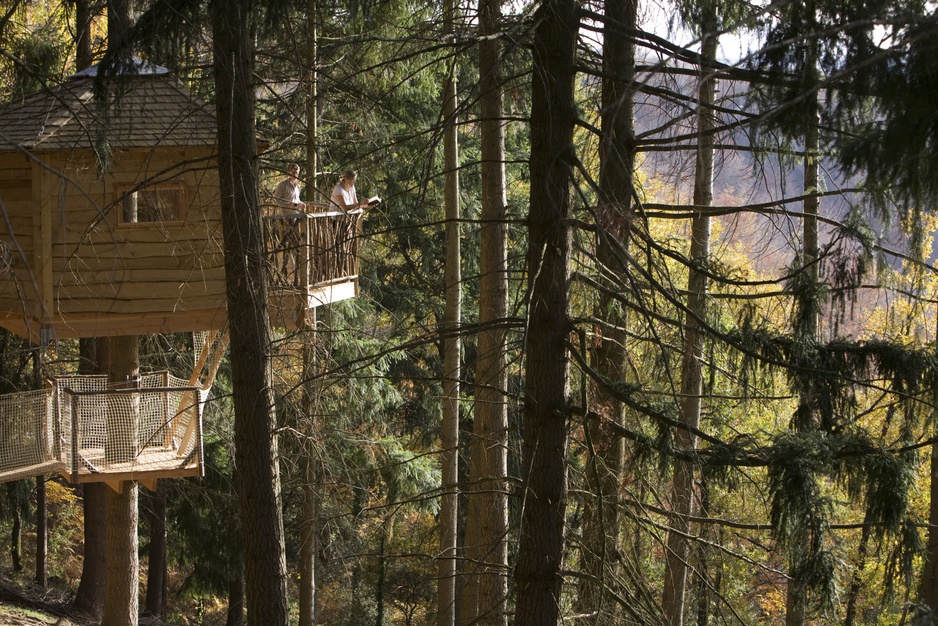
<point x="155" y="427"/>
<point x="209" y="349"/>
<point x="28" y="437"/>
<point x="82" y="428"/>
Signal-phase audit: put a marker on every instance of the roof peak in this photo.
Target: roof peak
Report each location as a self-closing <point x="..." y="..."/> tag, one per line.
<point x="137" y="67"/>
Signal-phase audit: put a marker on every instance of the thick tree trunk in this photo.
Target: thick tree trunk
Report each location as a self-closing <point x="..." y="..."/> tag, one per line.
<point x="484" y="598"/>
<point x="452" y="350"/>
<point x="601" y="514"/>
<point x="156" y="556"/>
<point x="806" y="414"/>
<point x="682" y="488"/>
<point x="93" y="359"/>
<point x="546" y="410"/>
<point x="83" y="17"/>
<point x="119" y="20"/>
<point x="121" y="596"/>
<point x="245" y="269"/>
<point x="121" y="593"/>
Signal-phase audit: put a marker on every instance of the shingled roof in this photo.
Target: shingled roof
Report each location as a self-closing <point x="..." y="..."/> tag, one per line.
<point x="155" y="110"/>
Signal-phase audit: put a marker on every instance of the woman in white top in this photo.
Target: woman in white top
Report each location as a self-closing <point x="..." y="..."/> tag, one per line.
<point x="344" y="196"/>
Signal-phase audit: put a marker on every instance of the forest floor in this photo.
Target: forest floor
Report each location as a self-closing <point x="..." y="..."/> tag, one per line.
<point x="30" y="607"/>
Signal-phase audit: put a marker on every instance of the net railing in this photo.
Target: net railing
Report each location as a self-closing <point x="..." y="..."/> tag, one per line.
<point x="308" y="250"/>
<point x="29" y="435"/>
<point x="87" y="430"/>
<point x="153" y="426"/>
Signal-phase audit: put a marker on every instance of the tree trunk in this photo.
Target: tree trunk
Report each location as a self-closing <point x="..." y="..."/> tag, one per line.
<point x="452" y="349"/>
<point x="310" y="536"/>
<point x="121" y="595"/>
<point x="601" y="514"/>
<point x="235" y="602"/>
<point x="705" y="581"/>
<point x="16" y="531"/>
<point x="484" y="597"/>
<point x="546" y="412"/>
<point x="929" y="589"/>
<point x="119" y="20"/>
<point x="682" y="488"/>
<point x="309" y="541"/>
<point x="156" y="565"/>
<point x="41" y="535"/>
<point x="245" y="271"/>
<point x="89" y="598"/>
<point x="805" y="416"/>
<point x="311" y="483"/>
<point x="856" y="583"/>
<point x="42" y="512"/>
<point x="83" y="17"/>
<point x="312" y="104"/>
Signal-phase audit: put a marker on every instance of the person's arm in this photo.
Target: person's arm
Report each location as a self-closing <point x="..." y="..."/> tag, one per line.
<point x="357" y="204"/>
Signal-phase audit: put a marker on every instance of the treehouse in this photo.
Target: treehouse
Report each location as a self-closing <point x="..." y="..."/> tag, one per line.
<point x="134" y="247"/>
<point x="111" y="212"/>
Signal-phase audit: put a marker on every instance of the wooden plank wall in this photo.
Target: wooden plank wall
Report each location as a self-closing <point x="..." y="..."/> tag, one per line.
<point x="147" y="267"/>
<point x="19" y="286"/>
<point x="101" y="268"/>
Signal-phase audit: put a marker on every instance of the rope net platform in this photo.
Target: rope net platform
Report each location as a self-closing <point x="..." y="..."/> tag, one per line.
<point x="90" y="431"/>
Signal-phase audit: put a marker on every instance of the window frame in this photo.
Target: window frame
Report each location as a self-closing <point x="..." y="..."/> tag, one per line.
<point x="121" y="191"/>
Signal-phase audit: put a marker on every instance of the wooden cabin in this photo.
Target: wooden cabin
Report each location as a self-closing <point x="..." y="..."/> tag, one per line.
<point x="135" y="247"/>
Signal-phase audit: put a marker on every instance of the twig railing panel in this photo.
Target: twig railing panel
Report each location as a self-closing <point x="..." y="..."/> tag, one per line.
<point x="308" y="250"/>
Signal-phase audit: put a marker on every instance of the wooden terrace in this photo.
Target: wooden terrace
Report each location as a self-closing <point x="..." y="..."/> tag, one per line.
<point x="312" y="259"/>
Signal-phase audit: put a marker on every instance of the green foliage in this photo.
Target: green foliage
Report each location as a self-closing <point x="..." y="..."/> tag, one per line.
<point x="895" y="148"/>
<point x="204" y="523"/>
<point x="800" y="510"/>
<point x="900" y="564"/>
<point x="39" y="63"/>
<point x="64" y="532"/>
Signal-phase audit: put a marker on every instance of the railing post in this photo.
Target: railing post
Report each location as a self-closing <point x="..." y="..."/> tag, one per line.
<point x="75" y="435"/>
<point x="198" y="424"/>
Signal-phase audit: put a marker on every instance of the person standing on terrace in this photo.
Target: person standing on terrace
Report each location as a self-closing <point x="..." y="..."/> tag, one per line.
<point x="287" y="193"/>
<point x="344" y="196"/>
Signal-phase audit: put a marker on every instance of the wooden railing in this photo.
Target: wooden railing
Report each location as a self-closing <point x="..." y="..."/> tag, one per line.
<point x="309" y="250"/>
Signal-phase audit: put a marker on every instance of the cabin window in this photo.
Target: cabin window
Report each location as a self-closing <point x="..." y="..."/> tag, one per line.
<point x="156" y="203"/>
